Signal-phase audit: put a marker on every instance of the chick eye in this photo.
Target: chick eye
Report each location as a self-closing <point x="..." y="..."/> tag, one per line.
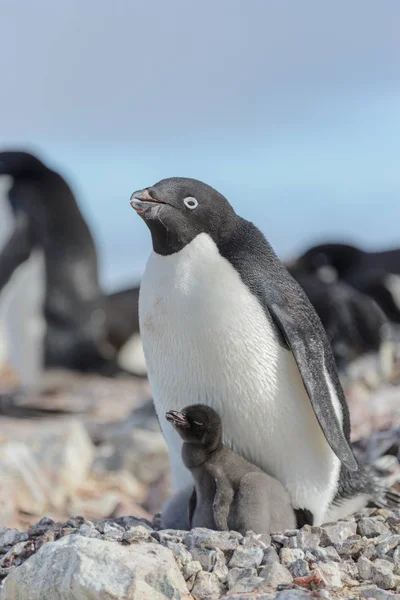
<point x="198" y="423"/>
<point x="190" y="202"/>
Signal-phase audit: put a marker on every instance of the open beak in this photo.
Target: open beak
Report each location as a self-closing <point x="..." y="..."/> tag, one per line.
<point x="176" y="418"/>
<point x="142" y="199"/>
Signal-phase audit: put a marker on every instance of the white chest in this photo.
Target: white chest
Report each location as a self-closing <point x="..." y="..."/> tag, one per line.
<point x="207" y="340"/>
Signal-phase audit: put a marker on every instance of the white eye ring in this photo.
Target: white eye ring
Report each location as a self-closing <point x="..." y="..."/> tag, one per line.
<point x="190" y="202"/>
<point x="197" y="423"/>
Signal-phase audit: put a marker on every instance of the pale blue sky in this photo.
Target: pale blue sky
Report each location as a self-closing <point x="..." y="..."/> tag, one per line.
<point x="292" y="110"/>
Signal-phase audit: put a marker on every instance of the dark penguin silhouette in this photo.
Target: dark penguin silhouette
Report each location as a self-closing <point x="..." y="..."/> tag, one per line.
<point x="374" y="273"/>
<point x="355" y="324"/>
<point x="229" y="492"/>
<point x="48" y="218"/>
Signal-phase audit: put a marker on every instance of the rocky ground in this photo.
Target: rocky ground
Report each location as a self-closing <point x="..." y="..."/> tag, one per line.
<point x="95" y="449"/>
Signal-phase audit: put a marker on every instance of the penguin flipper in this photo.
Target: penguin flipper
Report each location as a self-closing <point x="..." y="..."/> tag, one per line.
<point x="16" y="251"/>
<point x="308" y="352"/>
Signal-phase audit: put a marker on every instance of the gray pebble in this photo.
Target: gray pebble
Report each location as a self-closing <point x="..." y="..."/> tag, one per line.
<point x="207" y="587"/>
<point x="288" y="556"/>
<point x="308" y="537"/>
<point x="9" y="537"/>
<point x="326" y="554"/>
<point x="276" y="574"/>
<point x="382" y="574"/>
<point x="364" y="566"/>
<point x="372" y="592"/>
<point x="247" y="556"/>
<point x="207" y="558"/>
<point x="331" y="574"/>
<point x="88" y="531"/>
<point x="137" y="535"/>
<point x="262" y="540"/>
<point x="220" y="569"/>
<point x="182" y="555"/>
<point x="247" y="584"/>
<point x="236" y="574"/>
<point x="337" y="532"/>
<point x="205" y="538"/>
<point x="299" y="568"/>
<point x="391" y="542"/>
<point x="191" y="568"/>
<point x="371" y="527"/>
<point x="270" y="556"/>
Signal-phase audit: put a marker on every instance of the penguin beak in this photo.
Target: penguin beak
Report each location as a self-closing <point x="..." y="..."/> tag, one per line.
<point x="177" y="419"/>
<point x="141" y="201"/>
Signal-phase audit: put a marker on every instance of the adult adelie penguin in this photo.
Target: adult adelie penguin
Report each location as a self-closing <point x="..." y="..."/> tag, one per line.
<point x="47" y="218"/>
<point x="223" y="322"/>
<point x="376" y="274"/>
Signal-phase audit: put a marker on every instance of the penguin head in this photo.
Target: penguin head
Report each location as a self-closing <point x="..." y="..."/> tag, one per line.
<point x="176" y="210"/>
<point x="197" y="424"/>
<point x="20" y="164"/>
<point x="329" y="261"/>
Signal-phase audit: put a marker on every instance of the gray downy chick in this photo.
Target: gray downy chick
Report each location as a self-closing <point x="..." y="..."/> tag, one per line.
<point x="229" y="493"/>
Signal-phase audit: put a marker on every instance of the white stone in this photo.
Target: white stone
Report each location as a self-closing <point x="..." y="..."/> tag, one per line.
<point x="80" y="568"/>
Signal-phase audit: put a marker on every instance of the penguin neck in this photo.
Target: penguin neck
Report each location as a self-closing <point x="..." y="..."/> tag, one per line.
<point x="195" y="455"/>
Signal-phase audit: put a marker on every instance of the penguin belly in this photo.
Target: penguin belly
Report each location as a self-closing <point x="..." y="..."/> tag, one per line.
<point x="21" y="310"/>
<point x="207" y="339"/>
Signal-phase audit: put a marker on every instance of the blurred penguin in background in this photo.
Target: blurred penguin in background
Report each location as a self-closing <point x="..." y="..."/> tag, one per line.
<point x="54" y="312"/>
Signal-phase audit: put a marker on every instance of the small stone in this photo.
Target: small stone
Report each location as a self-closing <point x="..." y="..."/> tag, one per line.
<point x="236" y="574"/>
<point x="330" y="574"/>
<point x="326" y="554"/>
<point x="262" y="540"/>
<point x="110" y="529"/>
<point x="47" y="537"/>
<point x="338" y="532"/>
<point x="88" y="531"/>
<point x="308" y="538"/>
<point x="220" y="569"/>
<point x="364" y="566"/>
<point x="291" y="542"/>
<point x="191" y="568"/>
<point x="382" y="574"/>
<point x="247" y="584"/>
<point x="288" y="556"/>
<point x="41" y="526"/>
<point x="352" y="547"/>
<point x="182" y="555"/>
<point x="9" y="537"/>
<point x="207" y="587"/>
<point x="299" y="568"/>
<point x="276" y="574"/>
<point x="207" y="558"/>
<point x="270" y="556"/>
<point x="396" y="556"/>
<point x="371" y="527"/>
<point x="73" y="522"/>
<point x="290" y="595"/>
<point x="206" y="538"/>
<point x="136" y="535"/>
<point x="171" y="535"/>
<point x="21" y="549"/>
<point x="290" y="532"/>
<point x="278" y="538"/>
<point x="247" y="556"/>
<point x="391" y="542"/>
<point x="80" y="567"/>
<point x="373" y="593"/>
<point x="394" y="524"/>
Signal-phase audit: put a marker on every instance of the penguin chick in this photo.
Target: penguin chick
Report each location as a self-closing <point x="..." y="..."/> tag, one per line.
<point x="229" y="493"/>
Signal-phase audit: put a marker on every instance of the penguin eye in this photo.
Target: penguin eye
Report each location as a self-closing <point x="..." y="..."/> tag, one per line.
<point x="190" y="202"/>
<point x="198" y="423"/>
